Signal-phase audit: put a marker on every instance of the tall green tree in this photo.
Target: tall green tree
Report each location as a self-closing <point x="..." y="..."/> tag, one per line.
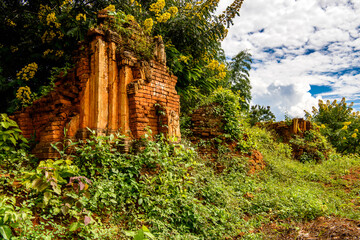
<point x="38" y="38"/>
<point x="260" y="114"/>
<point x="239" y="81"/>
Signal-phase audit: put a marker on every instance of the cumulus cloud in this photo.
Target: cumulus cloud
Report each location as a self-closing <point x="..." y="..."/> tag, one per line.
<point x="295" y="44"/>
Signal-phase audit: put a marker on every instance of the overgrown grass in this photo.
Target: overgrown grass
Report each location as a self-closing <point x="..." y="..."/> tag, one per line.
<point x="176" y="193"/>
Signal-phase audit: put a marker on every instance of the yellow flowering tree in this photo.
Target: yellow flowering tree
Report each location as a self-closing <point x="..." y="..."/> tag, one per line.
<point x="40" y="37"/>
<point x="192" y="33"/>
<point x="339" y="123"/>
<point x="47" y="33"/>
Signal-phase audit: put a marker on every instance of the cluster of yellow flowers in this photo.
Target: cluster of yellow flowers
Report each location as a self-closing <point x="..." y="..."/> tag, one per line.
<point x="188" y="6"/>
<point x="173" y="11"/>
<point x="214" y="65"/>
<point x="42" y="12"/>
<point x="354" y="135"/>
<point x="157" y="7"/>
<point x="221" y="75"/>
<point x="111" y="8"/>
<point x="59" y="53"/>
<point x="48" y="36"/>
<point x="137" y="4"/>
<point x="184" y="59"/>
<point x="222" y="68"/>
<point x="10" y="23"/>
<point x="24" y="95"/>
<point x="65" y="3"/>
<point x="163" y="17"/>
<point x="27" y="72"/>
<point x="148" y="24"/>
<point x="48" y="17"/>
<point x="51" y="20"/>
<point x="47" y="51"/>
<point x="14" y="49"/>
<point x="202" y="7"/>
<point x="346" y="124"/>
<point x="80" y="16"/>
<point x="130" y="18"/>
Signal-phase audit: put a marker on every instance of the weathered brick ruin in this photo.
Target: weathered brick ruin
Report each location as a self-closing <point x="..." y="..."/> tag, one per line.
<point x="108" y="90"/>
<point x="206" y="124"/>
<point x="287" y="130"/>
<point x="297" y="128"/>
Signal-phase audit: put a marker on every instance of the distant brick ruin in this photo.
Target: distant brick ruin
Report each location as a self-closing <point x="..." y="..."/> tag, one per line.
<point x="107" y="91"/>
<point x="287" y="130"/>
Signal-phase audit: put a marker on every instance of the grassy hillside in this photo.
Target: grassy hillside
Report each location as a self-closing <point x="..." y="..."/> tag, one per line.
<point x="96" y="192"/>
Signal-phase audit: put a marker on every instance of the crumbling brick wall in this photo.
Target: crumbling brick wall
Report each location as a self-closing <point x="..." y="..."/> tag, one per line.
<point x="286" y="131"/>
<point x="154" y="103"/>
<point x="107" y="91"/>
<point x="206" y="124"/>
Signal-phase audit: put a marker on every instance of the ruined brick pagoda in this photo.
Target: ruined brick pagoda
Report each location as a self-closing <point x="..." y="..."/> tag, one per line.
<point x="108" y="90"/>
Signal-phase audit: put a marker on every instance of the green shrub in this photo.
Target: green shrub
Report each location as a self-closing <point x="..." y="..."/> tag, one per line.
<point x="313" y="145"/>
<point x="10" y="215"/>
<point x="10" y="135"/>
<point x="339" y="124"/>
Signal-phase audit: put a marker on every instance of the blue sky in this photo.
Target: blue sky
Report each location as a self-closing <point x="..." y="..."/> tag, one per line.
<point x="303" y="51"/>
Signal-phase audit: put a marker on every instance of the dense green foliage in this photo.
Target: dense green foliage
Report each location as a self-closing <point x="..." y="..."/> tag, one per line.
<point x="339" y="123"/>
<point x="260" y="114"/>
<point x="10" y="135"/>
<point x="40" y="39"/>
<point x="166" y="191"/>
<point x="313" y="147"/>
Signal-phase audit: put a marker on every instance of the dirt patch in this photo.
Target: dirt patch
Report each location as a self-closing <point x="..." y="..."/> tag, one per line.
<point x="256" y="162"/>
<point x="323" y="228"/>
<point x="353" y="176"/>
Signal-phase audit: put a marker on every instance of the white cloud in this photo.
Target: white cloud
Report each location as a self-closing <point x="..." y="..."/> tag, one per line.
<point x="308" y="42"/>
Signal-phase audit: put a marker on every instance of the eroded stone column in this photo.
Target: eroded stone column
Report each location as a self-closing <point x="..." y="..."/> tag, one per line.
<point x="125" y="77"/>
<point x="101" y="87"/>
<point x="85" y="107"/>
<point x="113" y="122"/>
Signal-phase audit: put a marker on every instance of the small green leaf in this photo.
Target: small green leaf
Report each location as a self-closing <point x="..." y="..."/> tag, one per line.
<point x="39" y="185"/>
<point x="130" y="233"/>
<point x="13" y="140"/>
<point x="64" y="209"/>
<point x="5" y="232"/>
<point x="47" y="238"/>
<point x="6" y="217"/>
<point x="47" y="197"/>
<point x="149" y="235"/>
<point x="140" y="235"/>
<point x="74" y="226"/>
<point x="9" y="131"/>
<point x="5" y="125"/>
